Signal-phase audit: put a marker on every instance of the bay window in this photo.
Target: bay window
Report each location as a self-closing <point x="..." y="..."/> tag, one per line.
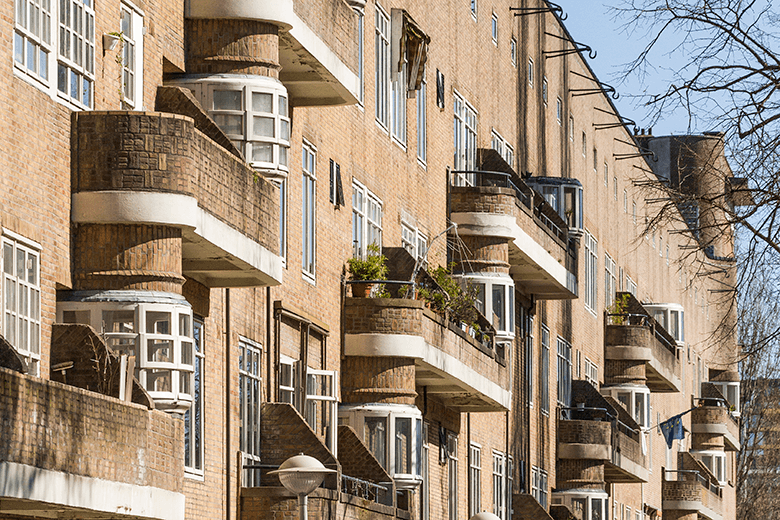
<point x="635" y="399"/>
<point x="495" y="298"/>
<point x="22" y="300"/>
<point x="393" y="434"/>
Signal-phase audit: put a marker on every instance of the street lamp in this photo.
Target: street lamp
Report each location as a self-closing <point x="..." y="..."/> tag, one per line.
<point x="484" y="515"/>
<point x="301" y="475"/>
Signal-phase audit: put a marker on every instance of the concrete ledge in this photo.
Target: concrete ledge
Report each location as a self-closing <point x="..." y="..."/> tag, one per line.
<point x="54" y="490"/>
<point x="584" y="451"/>
<point x="685" y="505"/>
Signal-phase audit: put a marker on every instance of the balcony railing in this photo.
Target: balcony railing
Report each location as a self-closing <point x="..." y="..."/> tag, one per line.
<point x="367" y="490"/>
<point x="693" y="475"/>
<point x="645" y="320"/>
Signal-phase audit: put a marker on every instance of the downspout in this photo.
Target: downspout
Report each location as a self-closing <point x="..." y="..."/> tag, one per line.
<point x="227" y="404"/>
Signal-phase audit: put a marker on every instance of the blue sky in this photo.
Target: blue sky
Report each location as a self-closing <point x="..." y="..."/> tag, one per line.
<point x="590" y="23"/>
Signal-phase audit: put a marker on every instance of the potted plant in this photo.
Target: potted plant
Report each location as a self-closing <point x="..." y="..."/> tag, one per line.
<point x="367" y="271"/>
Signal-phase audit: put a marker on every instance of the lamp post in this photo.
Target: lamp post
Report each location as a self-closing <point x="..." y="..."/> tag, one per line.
<point x="484" y="515"/>
<point x="301" y="475"/>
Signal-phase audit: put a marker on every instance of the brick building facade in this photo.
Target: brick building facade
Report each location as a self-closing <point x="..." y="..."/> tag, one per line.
<point x="182" y="186"/>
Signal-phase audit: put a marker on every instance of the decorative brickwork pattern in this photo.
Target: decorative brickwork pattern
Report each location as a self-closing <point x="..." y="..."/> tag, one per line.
<point x="618" y="372"/>
<point x="147" y="151"/>
<point x="377" y="380"/>
<point x="61" y="428"/>
<point x="485" y="254"/>
<point x="579" y="474"/>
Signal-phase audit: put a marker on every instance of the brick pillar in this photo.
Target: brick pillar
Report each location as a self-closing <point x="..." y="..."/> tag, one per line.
<point x="707" y="441"/>
<point x="624" y="371"/>
<point x="378" y="380"/>
<point x="485" y="254"/>
<point x="231" y="46"/>
<point x="127" y="257"/>
<point x="579" y="474"/>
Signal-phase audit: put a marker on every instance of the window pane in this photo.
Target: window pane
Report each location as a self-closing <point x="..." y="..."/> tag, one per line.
<point x="403" y="448"/>
<point x="262" y="152"/>
<point x="499" y="319"/>
<point x="158" y="380"/>
<point x="8" y="258"/>
<point x="158" y="322"/>
<point x="263" y="127"/>
<point x="227" y="100"/>
<point x="263" y="102"/>
<point x="159" y="351"/>
<point x="375" y="436"/>
<point x="186" y="353"/>
<point x="230" y="124"/>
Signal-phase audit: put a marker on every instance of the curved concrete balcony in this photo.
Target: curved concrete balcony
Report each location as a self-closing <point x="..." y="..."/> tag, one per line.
<point x="68" y="452"/>
<point x="449" y="363"/>
<point x="635" y="336"/>
<point x="713" y="418"/>
<point x="691" y="491"/>
<point x="317" y="53"/>
<point x="158" y="168"/>
<point x="500" y="205"/>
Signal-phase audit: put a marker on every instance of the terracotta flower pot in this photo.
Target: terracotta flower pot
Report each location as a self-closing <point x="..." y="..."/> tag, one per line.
<point x="361" y="290"/>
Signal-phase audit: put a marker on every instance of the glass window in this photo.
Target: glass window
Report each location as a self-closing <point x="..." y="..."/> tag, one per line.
<point x="382" y="47"/>
<point x="361" y="29"/>
<point x="494" y="28"/>
<point x="544" y="382"/>
<point x="531" y="73"/>
<point x="22" y="301"/>
<point x="610" y="281"/>
<point x="287" y="380"/>
<point x="398" y="87"/>
<point x="193" y="418"/>
<point x="320" y="409"/>
<point x="403" y="445"/>
<point x="513" y="51"/>
<point x="250" y="397"/>
<point x="76" y="60"/>
<point x="564" y="372"/>
<point x="499" y="311"/>
<point x="475" y="474"/>
<point x="131" y="28"/>
<point x="465" y="136"/>
<point x="366" y="219"/>
<point x="375" y="436"/>
<point x="452" y="476"/>
<point x="591" y="272"/>
<point x="422" y="124"/>
<point x="308" y="208"/>
<point x="499" y="484"/>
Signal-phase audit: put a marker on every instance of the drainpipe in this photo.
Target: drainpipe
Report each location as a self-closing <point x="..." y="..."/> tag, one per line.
<point x="227" y="404"/>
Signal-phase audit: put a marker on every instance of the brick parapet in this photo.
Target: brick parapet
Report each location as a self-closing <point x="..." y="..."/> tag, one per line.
<point x="46" y="423"/>
<point x="159" y="152"/>
<point x="232" y="46"/>
<point x="584" y="432"/>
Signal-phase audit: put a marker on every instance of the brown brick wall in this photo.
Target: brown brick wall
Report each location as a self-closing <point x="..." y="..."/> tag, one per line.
<point x="377" y="380"/>
<point x="579" y="474"/>
<point x="139" y="151"/>
<point x="232" y="47"/>
<point x="584" y="432"/>
<point x="56" y="427"/>
<point x="618" y="372"/>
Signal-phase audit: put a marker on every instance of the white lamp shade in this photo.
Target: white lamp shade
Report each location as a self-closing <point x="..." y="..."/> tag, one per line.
<point x="301" y="474"/>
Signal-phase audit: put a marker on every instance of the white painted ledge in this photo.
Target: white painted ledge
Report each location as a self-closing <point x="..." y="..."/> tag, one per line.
<point x="54" y="490"/>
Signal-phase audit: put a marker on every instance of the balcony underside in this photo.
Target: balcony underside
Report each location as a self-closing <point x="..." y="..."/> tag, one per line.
<point x="621" y="470"/>
<point x="437" y="373"/>
<point x="534" y="270"/>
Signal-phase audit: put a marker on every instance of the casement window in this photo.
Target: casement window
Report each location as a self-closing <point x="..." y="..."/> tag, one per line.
<point x="382" y="61"/>
<point x="494" y="28"/>
<point x="366" y="219"/>
<point x="595" y="160"/>
<point x="571" y="128"/>
<point x="475" y="476"/>
<point x="452" y="476"/>
<point x="591" y="272"/>
<point x="398" y="98"/>
<point x="495" y="298"/>
<point x="544" y="372"/>
<point x="283" y="220"/>
<point x="630" y="285"/>
<point x="465" y="140"/>
<point x="715" y="462"/>
<point x="321" y="405"/>
<point x="559" y="110"/>
<point x="414" y="241"/>
<point x="287" y="379"/>
<point x="54" y="48"/>
<point x="564" y="372"/>
<point x="584" y="144"/>
<point x="730" y="391"/>
<point x="499" y="484"/>
<point x="513" y="51"/>
<point x="250" y="397"/>
<point x="614" y="188"/>
<point x="425" y="486"/>
<point x="545" y="91"/>
<point x="503" y="148"/>
<point x="361" y="71"/>
<point x="530" y="72"/>
<point x="633" y="212"/>
<point x="539" y="485"/>
<point x="591" y="373"/>
<point x="528" y="326"/>
<point x="193" y="418"/>
<point x="635" y="399"/>
<point x="131" y="28"/>
<point x="422" y="124"/>
<point x="22" y="299"/>
<point x="474" y="9"/>
<point x="336" y="191"/>
<point x="610" y="281"/>
<point x="625" y="201"/>
<point x="308" y="211"/>
<point x="606" y="174"/>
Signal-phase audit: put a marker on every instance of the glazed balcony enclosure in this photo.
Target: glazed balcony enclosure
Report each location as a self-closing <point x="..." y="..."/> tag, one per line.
<point x="497" y="204"/>
<point x="598" y="428"/>
<point x="462" y="368"/>
<point x="634" y="335"/>
<point x="713" y="417"/>
<point x="691" y="489"/>
<point x="181" y="174"/>
<point x="73" y="453"/>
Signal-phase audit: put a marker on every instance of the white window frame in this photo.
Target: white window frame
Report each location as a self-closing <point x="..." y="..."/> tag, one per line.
<point x="382" y="64"/>
<point x="606" y="174"/>
<point x="287" y="392"/>
<point x="282" y="185"/>
<point x="539" y="479"/>
<point x="250" y="384"/>
<point x="715" y="461"/>
<point x="499" y="484"/>
<point x="41" y="55"/>
<point x="625" y="201"/>
<point x="559" y="110"/>
<point x="132" y="55"/>
<point x="591" y="272"/>
<point x="330" y="400"/>
<point x="465" y="140"/>
<point x="610" y="280"/>
<point x="398" y="105"/>
<point x="564" y="372"/>
<point x="452" y="476"/>
<point x="544" y="372"/>
<point x="494" y="28"/>
<point x="474" y="9"/>
<point x="366" y="219"/>
<point x="425" y="485"/>
<point x="530" y="72"/>
<point x="513" y="51"/>
<point x="584" y="144"/>
<point x="27" y="345"/>
<point x="309" y="211"/>
<point x="475" y="479"/>
<point x="502" y="146"/>
<point x="361" y="56"/>
<point x="414" y="241"/>
<point x="422" y="124"/>
<point x="193" y="418"/>
<point x="591" y="372"/>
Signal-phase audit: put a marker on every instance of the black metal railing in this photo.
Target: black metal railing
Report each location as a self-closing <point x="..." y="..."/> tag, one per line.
<point x="694" y="475"/>
<point x="379" y="493"/>
<point x="645" y="320"/>
<point x="586" y="413"/>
